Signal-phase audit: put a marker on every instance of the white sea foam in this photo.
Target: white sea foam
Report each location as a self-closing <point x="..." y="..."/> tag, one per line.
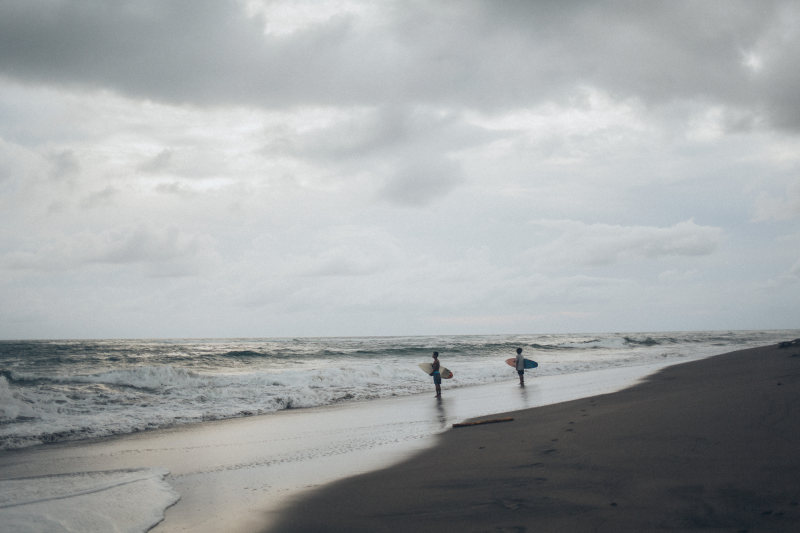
<point x="69" y="391"/>
<point x="55" y="391"/>
<point x="11" y="406"/>
<point x="101" y="502"/>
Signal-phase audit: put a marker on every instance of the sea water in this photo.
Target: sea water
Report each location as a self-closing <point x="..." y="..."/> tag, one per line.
<point x="53" y="391"/>
<point x="59" y="391"/>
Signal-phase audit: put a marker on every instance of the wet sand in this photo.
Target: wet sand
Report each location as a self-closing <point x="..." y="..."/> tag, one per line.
<point x="707" y="445"/>
<point x="235" y="475"/>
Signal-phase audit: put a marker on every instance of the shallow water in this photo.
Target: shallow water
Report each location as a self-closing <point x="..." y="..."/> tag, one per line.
<point x="53" y="391"/>
<point x="232" y="474"/>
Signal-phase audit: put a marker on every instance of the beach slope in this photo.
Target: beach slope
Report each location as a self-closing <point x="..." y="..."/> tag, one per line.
<point x="707" y="445"/>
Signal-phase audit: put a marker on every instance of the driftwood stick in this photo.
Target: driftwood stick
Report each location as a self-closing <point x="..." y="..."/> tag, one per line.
<point x="479" y="422"/>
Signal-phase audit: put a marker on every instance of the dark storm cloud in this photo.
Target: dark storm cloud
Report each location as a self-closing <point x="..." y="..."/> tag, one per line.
<point x="405" y="151"/>
<point x="479" y="54"/>
<point x="181" y="50"/>
<point x="385" y="131"/>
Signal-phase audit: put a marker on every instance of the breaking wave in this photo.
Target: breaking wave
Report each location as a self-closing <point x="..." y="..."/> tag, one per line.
<point x="52" y="391"/>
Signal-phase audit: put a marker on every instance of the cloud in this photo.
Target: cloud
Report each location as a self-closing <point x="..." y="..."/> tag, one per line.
<point x="478" y="54"/>
<point x="783" y="207"/>
<point x="677" y="276"/>
<point x="99" y="198"/>
<point x="18" y="164"/>
<point x="64" y="164"/>
<point x="419" y="182"/>
<point x="786" y="280"/>
<point x="570" y="243"/>
<point x="405" y="155"/>
<point x="374" y="165"/>
<point x="358" y="133"/>
<point x="346" y="250"/>
<point x="157" y="163"/>
<point x="131" y="47"/>
<point x="776" y="80"/>
<point x="164" y="251"/>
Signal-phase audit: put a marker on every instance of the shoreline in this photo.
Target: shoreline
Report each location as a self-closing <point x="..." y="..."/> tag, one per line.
<point x="235" y="475"/>
<point x="707" y="444"/>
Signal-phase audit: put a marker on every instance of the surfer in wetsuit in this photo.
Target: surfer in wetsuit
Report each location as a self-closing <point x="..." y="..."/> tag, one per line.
<point x="437" y="377"/>
<point x="521" y="367"/>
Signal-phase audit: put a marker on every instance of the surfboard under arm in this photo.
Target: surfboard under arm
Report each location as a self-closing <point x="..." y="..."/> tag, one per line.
<point x="428" y="369"/>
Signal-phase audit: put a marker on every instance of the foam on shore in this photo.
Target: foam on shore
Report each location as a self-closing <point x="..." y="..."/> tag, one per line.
<point x="708" y="445"/>
<point x="96" y="501"/>
<point x="233" y="475"/>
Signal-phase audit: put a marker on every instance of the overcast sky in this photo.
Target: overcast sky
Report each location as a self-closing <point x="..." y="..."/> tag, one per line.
<point x="212" y="168"/>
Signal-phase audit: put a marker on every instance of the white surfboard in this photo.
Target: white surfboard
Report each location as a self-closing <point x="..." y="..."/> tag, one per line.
<point x="428" y="369"/>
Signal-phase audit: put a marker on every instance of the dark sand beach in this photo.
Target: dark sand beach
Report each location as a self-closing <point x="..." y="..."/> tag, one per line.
<point x="236" y="475"/>
<point x="711" y="445"/>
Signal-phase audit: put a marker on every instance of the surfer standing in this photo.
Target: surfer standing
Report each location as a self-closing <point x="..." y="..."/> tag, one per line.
<point x="521" y="367"/>
<point x="437" y="377"/>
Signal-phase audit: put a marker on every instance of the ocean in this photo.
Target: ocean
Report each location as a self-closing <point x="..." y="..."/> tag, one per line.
<point x="71" y="390"/>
